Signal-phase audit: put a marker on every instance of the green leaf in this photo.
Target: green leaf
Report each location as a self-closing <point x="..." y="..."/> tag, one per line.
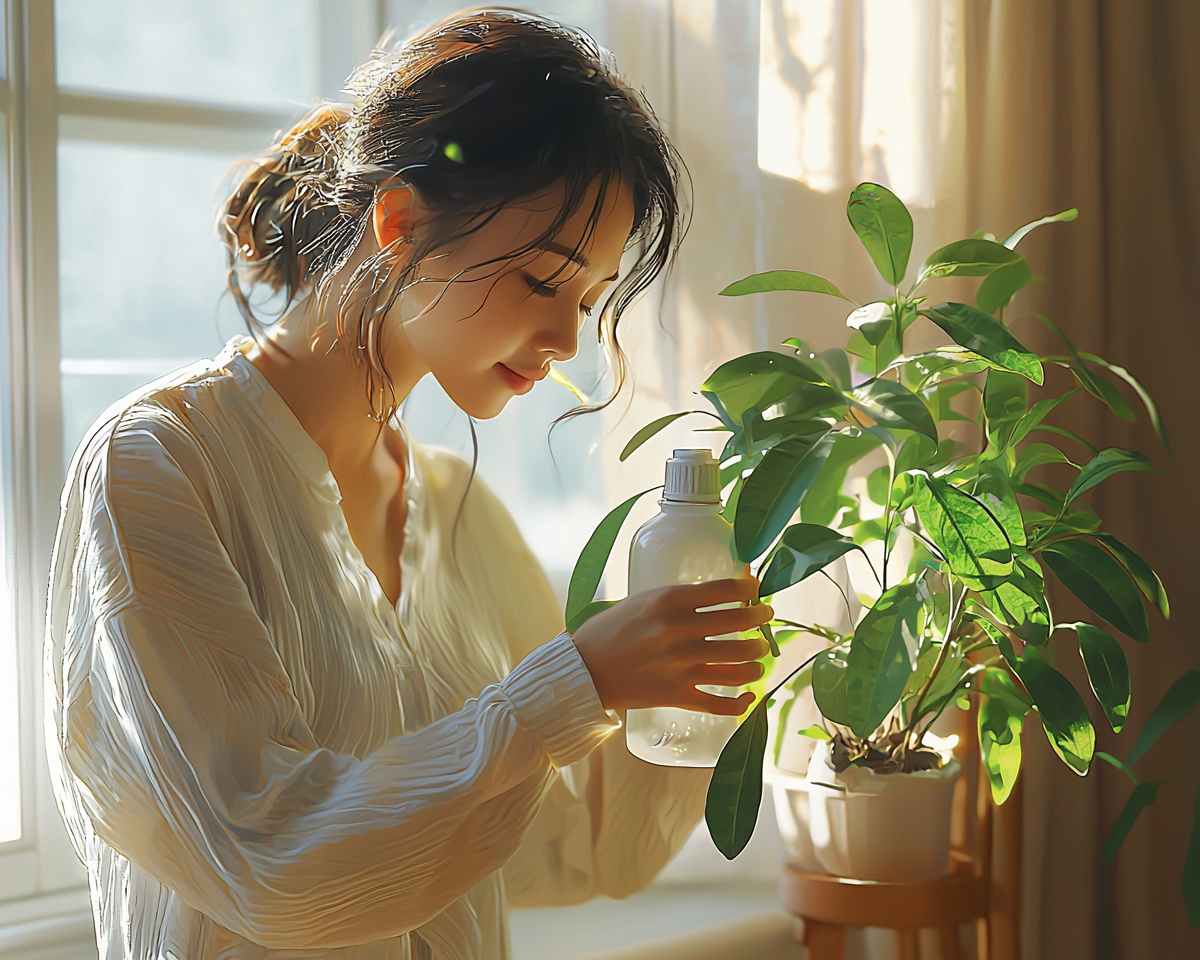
<point x="589" y="568"/>
<point x="1037" y="413"/>
<point x="772" y="493"/>
<point x="973" y="329"/>
<point x="1005" y="399"/>
<point x="1001" y="285"/>
<point x="1143" y="795"/>
<point x="650" y="430"/>
<point x="804" y="549"/>
<point x="729" y="511"/>
<point x="1107" y="671"/>
<point x="829" y="684"/>
<point x="755" y="381"/>
<point x="967" y="258"/>
<point x="1060" y="432"/>
<point x="1001" y="718"/>
<point x="814" y="732"/>
<point x="874" y="321"/>
<point x="735" y="790"/>
<point x="884" y="226"/>
<point x="1019" y="599"/>
<point x="916" y="452"/>
<point x="1191" y="868"/>
<point x="1147" y="580"/>
<point x="1175" y="704"/>
<point x="822" y="503"/>
<point x="1100" y="582"/>
<point x="1036" y="455"/>
<point x="992" y="487"/>
<point x="1018" y="235"/>
<point x="765" y="434"/>
<point x="961" y="527"/>
<point x="895" y="406"/>
<point x="1103" y="465"/>
<point x="586" y="614"/>
<point x="995" y="634"/>
<point x="1063" y="714"/>
<point x="773" y="280"/>
<point x="882" y="654"/>
<point x="1151" y="408"/>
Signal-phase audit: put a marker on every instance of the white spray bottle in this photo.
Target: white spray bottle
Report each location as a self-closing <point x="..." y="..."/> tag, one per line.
<point x="687" y="542"/>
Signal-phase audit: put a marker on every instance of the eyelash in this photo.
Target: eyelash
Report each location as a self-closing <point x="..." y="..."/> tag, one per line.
<point x="545" y="290"/>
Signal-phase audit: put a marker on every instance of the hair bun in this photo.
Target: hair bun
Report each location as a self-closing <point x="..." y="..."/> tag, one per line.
<point x="283" y="201"/>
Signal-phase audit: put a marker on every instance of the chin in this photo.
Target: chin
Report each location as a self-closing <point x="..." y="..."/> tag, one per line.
<point x="482" y="408"/>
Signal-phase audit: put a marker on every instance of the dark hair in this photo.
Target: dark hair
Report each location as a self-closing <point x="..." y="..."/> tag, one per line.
<point x="483" y="109"/>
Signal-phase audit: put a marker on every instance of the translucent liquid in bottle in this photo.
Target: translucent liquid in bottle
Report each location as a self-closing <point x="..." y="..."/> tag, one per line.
<point x="687" y="542"/>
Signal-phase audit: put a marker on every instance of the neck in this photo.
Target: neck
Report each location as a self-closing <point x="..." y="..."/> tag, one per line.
<point x="318" y="378"/>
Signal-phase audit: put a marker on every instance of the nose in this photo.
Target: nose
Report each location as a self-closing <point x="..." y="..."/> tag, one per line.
<point x="559" y="339"/>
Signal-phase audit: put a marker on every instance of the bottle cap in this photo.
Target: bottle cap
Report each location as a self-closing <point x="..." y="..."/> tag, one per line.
<point x="693" y="476"/>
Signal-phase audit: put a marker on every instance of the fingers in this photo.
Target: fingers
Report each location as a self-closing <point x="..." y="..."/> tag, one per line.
<point x="720" y="706"/>
<point x="713" y="623"/>
<point x="726" y="674"/>
<point x="711" y="592"/>
<point x="725" y="651"/>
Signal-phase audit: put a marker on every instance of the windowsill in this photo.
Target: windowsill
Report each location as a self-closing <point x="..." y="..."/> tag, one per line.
<point x="57" y="925"/>
<point x="646" y="924"/>
<point x="664" y="912"/>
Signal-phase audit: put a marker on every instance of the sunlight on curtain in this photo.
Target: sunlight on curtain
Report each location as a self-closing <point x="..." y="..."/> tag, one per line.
<point x="857" y="92"/>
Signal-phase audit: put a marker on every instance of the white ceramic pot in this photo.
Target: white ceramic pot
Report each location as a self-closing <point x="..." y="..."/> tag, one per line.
<point x="791" y="814"/>
<point x="865" y="825"/>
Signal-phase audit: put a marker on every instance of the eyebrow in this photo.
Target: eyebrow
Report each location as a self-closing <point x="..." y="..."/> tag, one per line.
<point x="572" y="255"/>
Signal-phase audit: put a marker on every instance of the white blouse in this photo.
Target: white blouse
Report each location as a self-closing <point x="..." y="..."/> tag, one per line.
<point x="257" y="756"/>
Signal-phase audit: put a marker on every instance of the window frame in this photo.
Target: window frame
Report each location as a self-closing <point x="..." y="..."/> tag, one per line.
<point x="40" y="876"/>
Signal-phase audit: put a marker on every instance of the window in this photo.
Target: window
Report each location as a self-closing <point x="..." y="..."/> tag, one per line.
<point x="125" y="118"/>
<point x="130" y="116"/>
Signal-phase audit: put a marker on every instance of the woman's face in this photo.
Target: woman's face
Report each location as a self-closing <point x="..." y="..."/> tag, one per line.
<point x="490" y="334"/>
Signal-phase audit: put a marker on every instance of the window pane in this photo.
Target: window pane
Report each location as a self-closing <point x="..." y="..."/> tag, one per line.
<point x="141" y="273"/>
<point x="263" y="52"/>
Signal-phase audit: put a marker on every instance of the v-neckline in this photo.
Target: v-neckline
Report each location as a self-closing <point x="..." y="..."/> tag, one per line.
<point x="312" y="463"/>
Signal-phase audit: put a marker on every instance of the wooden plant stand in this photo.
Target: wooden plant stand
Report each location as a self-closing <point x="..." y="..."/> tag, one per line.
<point x="971" y="893"/>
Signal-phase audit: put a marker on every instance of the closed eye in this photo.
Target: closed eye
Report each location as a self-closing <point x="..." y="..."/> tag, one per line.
<point x="547" y="290"/>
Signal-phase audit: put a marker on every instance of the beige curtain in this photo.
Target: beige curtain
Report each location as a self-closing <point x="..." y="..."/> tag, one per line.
<point x="979" y="113"/>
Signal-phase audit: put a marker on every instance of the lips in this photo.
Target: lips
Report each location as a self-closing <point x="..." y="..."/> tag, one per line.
<point x="516" y="382"/>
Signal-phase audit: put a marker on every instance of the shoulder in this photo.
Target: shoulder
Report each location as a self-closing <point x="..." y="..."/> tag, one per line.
<point x="159" y="434"/>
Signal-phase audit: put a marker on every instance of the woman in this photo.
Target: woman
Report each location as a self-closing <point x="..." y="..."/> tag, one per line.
<point x="311" y="696"/>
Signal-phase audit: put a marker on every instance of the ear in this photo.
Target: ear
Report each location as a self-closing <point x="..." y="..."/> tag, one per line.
<point x="393" y="214"/>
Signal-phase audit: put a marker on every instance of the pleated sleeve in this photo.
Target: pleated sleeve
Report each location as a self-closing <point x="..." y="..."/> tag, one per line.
<point x="183" y="746"/>
<point x="609" y="822"/>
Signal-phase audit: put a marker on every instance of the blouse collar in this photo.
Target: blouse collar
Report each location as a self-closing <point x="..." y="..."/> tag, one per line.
<point x="281" y="421"/>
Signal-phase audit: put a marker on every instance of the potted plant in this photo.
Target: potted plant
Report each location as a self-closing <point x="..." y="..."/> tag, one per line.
<point x="966" y="617"/>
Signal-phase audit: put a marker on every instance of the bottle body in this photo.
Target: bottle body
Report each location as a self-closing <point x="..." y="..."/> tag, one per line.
<point x="685" y="543"/>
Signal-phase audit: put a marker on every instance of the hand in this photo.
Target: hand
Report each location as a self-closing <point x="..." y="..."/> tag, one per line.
<point x="650" y="650"/>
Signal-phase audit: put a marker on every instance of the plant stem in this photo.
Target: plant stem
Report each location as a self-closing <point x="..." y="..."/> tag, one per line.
<point x="944" y="652"/>
<point x="775" y="689"/>
<point x="818" y="631"/>
<point x="887" y="513"/>
<point x="964" y="682"/>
